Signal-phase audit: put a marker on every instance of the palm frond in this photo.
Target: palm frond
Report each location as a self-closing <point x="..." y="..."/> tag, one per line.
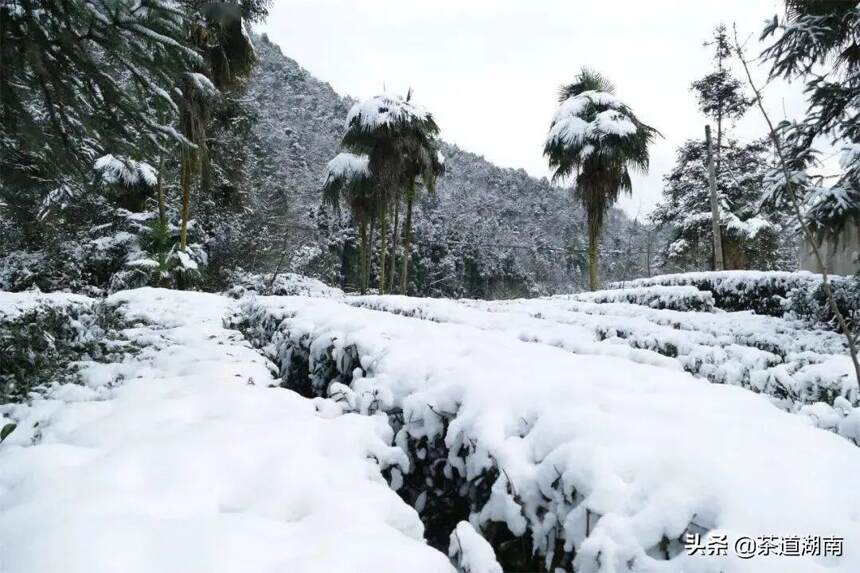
<point x="587" y="80"/>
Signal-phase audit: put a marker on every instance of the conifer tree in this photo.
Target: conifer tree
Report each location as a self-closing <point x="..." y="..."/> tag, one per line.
<point x="817" y="33"/>
<point x="720" y="95"/>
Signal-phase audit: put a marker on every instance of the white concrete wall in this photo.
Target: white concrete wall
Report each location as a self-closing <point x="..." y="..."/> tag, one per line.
<point x="841" y="258"/>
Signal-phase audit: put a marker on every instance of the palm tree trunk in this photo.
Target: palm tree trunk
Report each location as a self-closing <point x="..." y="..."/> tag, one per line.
<point x="364" y="258"/>
<point x="370" y="250"/>
<point x="185" y="180"/>
<point x="407" y="246"/>
<point x="383" y="247"/>
<point x="592" y="258"/>
<point x="395" y="236"/>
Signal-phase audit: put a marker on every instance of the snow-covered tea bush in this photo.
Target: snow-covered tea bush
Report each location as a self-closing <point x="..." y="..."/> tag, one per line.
<point x="558" y="460"/>
<point x="810" y="303"/>
<point x="471" y="552"/>
<point x="43" y="335"/>
<point x="280" y="284"/>
<point x="669" y="297"/>
<point x="323" y="367"/>
<point x="764" y="292"/>
<point x="787" y="360"/>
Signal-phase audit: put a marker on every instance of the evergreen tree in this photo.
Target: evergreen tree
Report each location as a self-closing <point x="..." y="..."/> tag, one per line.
<point x="597" y="139"/>
<point x="752" y="236"/>
<point x="81" y="79"/>
<point x="818" y="41"/>
<point x="817" y="32"/>
<point x="218" y="32"/>
<point x="719" y="94"/>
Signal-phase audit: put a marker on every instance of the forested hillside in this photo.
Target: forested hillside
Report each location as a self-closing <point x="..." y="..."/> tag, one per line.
<point x="488" y="231"/>
<point x="257" y="207"/>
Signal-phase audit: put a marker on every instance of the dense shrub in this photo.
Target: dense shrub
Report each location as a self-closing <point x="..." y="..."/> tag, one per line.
<point x="129" y="251"/>
<point x="683" y="298"/>
<point x="764" y="292"/>
<point x="41" y="342"/>
<point x="810" y="303"/>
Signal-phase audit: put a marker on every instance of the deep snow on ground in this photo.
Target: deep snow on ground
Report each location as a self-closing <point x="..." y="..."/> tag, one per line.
<point x="184" y="458"/>
<point x="650" y="451"/>
<point x="776" y="356"/>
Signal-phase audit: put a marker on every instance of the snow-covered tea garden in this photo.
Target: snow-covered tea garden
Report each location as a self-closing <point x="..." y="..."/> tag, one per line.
<point x="311" y="430"/>
<point x="535" y="315"/>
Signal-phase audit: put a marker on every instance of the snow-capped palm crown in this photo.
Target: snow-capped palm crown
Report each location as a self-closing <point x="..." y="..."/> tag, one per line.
<point x="347" y="165"/>
<point x="399" y="137"/>
<point x="386" y="110"/>
<point x="593" y="126"/>
<point x="350" y="174"/>
<point x="595" y="136"/>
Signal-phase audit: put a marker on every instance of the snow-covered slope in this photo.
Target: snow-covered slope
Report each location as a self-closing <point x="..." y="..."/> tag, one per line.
<point x="182" y="459"/>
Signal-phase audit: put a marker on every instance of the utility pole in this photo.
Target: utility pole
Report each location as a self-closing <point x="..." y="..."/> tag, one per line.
<point x="715" y="205"/>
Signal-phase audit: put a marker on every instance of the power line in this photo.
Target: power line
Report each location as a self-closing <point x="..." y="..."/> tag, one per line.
<point x="483" y="244"/>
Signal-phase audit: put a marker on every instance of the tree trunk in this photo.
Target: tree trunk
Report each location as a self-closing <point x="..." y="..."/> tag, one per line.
<point x="383" y="247"/>
<point x="370" y="249"/>
<point x="648" y="252"/>
<point x="394" y="238"/>
<point x="280" y="263"/>
<point x="592" y="260"/>
<point x="718" y="151"/>
<point x="407" y="246"/>
<point x="364" y="258"/>
<point x="185" y="180"/>
<point x="718" y="263"/>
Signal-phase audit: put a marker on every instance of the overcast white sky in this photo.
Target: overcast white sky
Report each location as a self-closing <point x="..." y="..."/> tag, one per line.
<point x="490" y="70"/>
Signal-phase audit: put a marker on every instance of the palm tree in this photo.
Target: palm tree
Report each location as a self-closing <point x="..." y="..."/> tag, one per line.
<point x="400" y="141"/>
<point x="425" y="165"/>
<point x="348" y="177"/>
<point x="597" y="139"/>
